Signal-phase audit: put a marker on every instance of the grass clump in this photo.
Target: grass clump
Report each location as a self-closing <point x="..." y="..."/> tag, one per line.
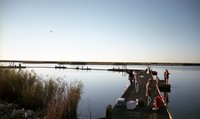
<point x="65" y="101"/>
<point x="55" y="98"/>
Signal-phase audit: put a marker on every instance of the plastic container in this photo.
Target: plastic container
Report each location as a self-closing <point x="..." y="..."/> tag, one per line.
<point x="131" y="104"/>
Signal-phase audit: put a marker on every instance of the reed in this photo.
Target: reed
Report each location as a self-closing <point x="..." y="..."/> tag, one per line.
<point x="56" y="98"/>
<point x="64" y="103"/>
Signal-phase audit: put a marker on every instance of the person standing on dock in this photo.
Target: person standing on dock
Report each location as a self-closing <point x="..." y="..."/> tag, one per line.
<point x="130" y="76"/>
<point x="166" y="98"/>
<point x="150" y="88"/>
<point x="166" y="76"/>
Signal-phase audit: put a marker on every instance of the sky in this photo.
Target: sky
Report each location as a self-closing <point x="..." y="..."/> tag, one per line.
<point x="100" y="30"/>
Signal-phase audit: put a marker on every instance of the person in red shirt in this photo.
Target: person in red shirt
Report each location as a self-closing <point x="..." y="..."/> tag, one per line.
<point x="166" y="76"/>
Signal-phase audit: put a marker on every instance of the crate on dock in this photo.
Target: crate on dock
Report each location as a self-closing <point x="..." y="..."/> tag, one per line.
<point x="120" y="102"/>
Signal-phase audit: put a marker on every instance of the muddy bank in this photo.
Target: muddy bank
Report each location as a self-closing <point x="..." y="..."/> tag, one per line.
<point x="14" y="111"/>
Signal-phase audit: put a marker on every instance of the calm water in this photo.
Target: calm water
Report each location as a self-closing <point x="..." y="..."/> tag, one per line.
<point x="102" y="88"/>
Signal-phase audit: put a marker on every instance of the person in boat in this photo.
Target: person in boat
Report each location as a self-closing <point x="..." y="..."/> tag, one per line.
<point x="166" y="76"/>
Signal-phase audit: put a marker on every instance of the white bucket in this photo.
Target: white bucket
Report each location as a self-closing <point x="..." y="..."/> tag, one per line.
<point x="131" y="105"/>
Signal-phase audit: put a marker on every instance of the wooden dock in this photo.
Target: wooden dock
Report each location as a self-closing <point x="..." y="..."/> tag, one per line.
<point x="137" y="90"/>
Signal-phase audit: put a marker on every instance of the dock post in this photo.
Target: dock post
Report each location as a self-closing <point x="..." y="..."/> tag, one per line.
<point x="109" y="112"/>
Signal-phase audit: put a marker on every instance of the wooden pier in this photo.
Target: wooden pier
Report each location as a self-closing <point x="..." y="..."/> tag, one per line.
<point x="137" y="91"/>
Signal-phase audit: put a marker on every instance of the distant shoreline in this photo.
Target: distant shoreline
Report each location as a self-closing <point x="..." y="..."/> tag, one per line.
<point x="98" y="63"/>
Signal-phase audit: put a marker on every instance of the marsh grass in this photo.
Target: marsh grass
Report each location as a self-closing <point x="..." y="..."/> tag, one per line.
<point x="55" y="98"/>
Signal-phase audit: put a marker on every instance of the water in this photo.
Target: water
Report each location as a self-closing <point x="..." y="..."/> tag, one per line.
<point x="102" y="88"/>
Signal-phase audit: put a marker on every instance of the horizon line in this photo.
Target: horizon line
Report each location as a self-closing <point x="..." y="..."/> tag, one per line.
<point x="101" y="62"/>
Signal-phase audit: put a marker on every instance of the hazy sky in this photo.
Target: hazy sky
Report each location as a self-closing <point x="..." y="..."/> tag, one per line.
<point x="100" y="30"/>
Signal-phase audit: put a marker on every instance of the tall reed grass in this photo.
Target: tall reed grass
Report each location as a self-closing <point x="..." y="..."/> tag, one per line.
<point x="56" y="98"/>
